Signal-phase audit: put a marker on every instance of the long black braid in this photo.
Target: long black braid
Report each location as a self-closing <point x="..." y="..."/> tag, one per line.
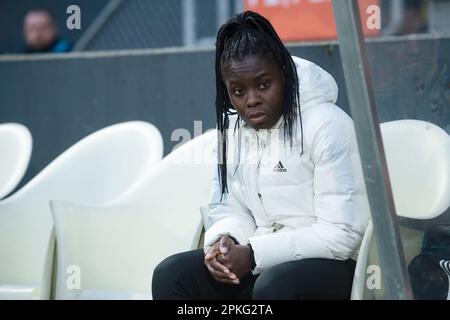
<point x="246" y="34"/>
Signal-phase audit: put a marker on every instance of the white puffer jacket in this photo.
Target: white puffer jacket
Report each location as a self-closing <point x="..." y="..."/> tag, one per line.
<point x="289" y="205"/>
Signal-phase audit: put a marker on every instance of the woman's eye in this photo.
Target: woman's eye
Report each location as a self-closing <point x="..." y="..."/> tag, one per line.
<point x="264" y="85"/>
<point x="238" y="92"/>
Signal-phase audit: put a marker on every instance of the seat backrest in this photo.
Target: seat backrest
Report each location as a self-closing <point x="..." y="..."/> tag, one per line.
<point x="418" y="160"/>
<point x="359" y="278"/>
<point x="97" y="169"/>
<point x="124" y="241"/>
<point x="16" y="145"/>
<point x="182" y="182"/>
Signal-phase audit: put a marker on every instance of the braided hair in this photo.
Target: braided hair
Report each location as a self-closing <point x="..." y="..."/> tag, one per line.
<point x="244" y="35"/>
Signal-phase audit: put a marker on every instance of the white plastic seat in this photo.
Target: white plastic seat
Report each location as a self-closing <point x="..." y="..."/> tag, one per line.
<point x="418" y="159"/>
<point x="15" y="151"/>
<point x="97" y="169"/>
<point x="124" y="241"/>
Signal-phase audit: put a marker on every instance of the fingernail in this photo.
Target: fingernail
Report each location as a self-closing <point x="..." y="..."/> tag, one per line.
<point x="236" y="281"/>
<point x="226" y="270"/>
<point x="233" y="276"/>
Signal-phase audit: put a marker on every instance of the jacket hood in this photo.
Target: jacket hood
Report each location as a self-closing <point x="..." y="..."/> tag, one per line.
<point x="316" y="85"/>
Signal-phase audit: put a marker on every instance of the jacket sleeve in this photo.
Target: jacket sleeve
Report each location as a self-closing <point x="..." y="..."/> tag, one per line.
<point x="227" y="217"/>
<point x="340" y="203"/>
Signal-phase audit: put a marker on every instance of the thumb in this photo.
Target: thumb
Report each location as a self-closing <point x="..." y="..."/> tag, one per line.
<point x="224" y="245"/>
<point x="212" y="252"/>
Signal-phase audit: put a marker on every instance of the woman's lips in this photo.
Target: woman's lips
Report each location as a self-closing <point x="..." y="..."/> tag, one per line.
<point x="257" y="117"/>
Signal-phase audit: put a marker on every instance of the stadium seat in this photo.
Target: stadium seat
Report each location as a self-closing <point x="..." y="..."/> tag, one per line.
<point x="418" y="160"/>
<point x="15" y="151"/>
<point x="97" y="169"/>
<point x="115" y="247"/>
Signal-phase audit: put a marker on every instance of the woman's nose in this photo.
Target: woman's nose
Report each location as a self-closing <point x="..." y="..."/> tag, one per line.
<point x="253" y="98"/>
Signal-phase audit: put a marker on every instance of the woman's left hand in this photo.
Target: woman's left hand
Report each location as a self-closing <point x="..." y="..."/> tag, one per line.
<point x="237" y="259"/>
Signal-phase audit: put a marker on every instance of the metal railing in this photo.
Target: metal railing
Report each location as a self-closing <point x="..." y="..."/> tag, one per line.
<point x="362" y="104"/>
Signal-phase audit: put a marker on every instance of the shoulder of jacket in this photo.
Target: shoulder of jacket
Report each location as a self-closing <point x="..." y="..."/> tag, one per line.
<point x="326" y="113"/>
<point x="324" y="118"/>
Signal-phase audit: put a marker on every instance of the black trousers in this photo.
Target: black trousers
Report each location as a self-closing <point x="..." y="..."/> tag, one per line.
<point x="184" y="277"/>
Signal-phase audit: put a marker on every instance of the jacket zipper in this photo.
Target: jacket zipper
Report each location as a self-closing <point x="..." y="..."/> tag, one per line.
<point x="274" y="226"/>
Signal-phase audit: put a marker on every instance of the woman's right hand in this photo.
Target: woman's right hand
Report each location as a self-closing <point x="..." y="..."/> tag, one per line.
<point x="218" y="271"/>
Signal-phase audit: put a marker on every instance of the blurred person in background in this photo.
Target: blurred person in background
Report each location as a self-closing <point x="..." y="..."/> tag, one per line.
<point x="414" y="19"/>
<point x="41" y="33"/>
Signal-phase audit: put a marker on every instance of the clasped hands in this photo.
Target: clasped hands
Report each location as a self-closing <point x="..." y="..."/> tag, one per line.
<point x="228" y="262"/>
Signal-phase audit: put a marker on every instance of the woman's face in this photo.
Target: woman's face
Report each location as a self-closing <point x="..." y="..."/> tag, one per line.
<point x="256" y="89"/>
